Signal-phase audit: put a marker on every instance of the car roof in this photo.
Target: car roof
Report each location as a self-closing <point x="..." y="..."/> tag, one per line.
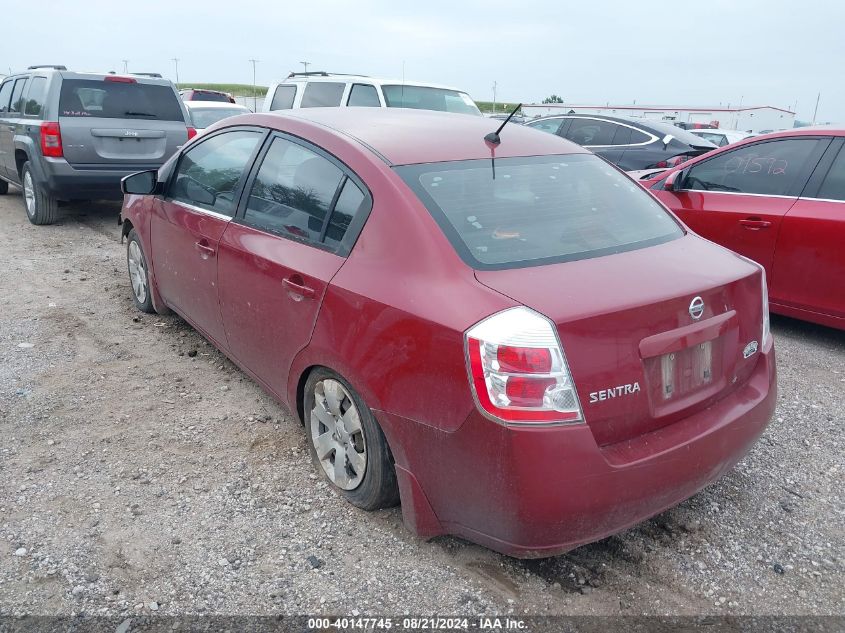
<point x="211" y="105"/>
<point x="404" y="136"/>
<point x="376" y="81"/>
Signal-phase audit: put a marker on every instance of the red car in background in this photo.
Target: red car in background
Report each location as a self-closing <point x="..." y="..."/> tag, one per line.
<point x="778" y="199"/>
<point x="203" y="94"/>
<point x="512" y="338"/>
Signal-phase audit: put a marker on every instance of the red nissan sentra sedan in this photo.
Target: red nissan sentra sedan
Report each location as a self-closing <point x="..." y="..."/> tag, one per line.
<point x="778" y="199"/>
<point x="513" y="339"/>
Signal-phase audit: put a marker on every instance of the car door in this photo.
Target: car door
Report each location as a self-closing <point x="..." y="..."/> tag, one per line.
<point x="187" y="222"/>
<point x="809" y="262"/>
<point x="8" y="128"/>
<point x="738" y="198"/>
<point x="297" y="222"/>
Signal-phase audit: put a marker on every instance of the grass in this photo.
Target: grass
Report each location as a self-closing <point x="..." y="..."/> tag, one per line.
<point x="239" y="90"/>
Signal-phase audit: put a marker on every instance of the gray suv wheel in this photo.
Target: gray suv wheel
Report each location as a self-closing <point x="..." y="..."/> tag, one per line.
<point x="41" y="207"/>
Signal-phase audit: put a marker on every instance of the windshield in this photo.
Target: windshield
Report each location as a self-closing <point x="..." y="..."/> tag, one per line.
<point x="425" y="98"/>
<point x="538" y="210"/>
<point x="118" y="100"/>
<point x="205" y="117"/>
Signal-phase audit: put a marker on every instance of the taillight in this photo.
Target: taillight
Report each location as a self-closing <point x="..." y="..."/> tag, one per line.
<point x="518" y="371"/>
<point x="51" y="140"/>
<point x="120" y="80"/>
<point x="767" y="328"/>
<point x="192" y="132"/>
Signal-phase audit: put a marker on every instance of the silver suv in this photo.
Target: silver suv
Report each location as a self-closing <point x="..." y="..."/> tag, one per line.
<point x="72" y="136"/>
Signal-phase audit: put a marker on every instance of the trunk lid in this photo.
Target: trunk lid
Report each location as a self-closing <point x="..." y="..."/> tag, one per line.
<point x="120" y="121"/>
<point x="638" y="358"/>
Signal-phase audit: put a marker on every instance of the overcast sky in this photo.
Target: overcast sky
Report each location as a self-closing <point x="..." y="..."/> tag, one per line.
<point x="763" y="52"/>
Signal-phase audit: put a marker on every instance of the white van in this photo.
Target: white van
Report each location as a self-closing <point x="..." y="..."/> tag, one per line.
<point x="321" y="89"/>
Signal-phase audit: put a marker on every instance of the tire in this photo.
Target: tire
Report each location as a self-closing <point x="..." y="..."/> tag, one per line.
<point x="359" y="434"/>
<point x="4" y="187"/>
<point x="41" y="208"/>
<point x="139" y="277"/>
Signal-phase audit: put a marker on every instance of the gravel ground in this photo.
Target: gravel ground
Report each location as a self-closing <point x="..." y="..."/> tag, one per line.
<point x="141" y="472"/>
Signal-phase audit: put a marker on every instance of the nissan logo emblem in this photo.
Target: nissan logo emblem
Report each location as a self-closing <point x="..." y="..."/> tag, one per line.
<point x="696" y="308"/>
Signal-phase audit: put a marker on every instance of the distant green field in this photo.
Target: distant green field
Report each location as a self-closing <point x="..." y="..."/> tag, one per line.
<point x="244" y="90"/>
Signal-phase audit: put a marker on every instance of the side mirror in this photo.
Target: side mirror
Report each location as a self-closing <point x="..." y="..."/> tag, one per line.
<point x="199" y="193"/>
<point x="142" y="183"/>
<point x="674" y="181"/>
<point x="667" y="139"/>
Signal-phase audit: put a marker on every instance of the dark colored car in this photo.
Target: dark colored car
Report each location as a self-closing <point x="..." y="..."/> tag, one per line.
<point x="202" y="94"/>
<point x="630" y="144"/>
<point x="67" y="135"/>
<point x="529" y="352"/>
<point x="779" y="200"/>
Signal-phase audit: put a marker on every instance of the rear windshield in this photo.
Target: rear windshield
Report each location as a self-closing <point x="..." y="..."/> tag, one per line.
<point x="538" y="210"/>
<point x="118" y="100"/>
<point x="205" y="117"/>
<point x="424" y="98"/>
<point x="201" y="95"/>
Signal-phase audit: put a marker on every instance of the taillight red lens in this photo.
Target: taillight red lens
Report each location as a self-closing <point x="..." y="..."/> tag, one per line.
<point x="192" y="132"/>
<point x="524" y="360"/>
<point x="518" y="371"/>
<point x="120" y="80"/>
<point x="51" y="140"/>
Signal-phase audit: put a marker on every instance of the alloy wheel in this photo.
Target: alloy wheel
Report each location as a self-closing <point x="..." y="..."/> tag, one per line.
<point x="137" y="272"/>
<point x="29" y="193"/>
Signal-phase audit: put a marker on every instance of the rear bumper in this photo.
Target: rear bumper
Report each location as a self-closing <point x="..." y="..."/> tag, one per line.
<point x="543" y="491"/>
<point x="81" y="182"/>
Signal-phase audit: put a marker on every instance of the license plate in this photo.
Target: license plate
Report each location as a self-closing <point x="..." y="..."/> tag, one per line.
<point x="686" y="370"/>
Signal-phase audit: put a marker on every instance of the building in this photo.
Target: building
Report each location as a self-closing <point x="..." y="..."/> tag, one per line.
<point x="750" y="118"/>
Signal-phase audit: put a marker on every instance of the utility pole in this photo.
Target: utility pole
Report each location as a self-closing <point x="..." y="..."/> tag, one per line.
<point x="125" y="65"/>
<point x="176" y="61"/>
<point x="494" y="96"/>
<point x="305" y="65"/>
<point x="816" y="111"/>
<point x="254" y="91"/>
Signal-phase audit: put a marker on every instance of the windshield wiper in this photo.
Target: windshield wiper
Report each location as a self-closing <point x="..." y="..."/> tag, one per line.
<point x="131" y="113"/>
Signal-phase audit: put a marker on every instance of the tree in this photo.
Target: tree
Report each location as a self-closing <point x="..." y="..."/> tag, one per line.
<point x="553" y="99"/>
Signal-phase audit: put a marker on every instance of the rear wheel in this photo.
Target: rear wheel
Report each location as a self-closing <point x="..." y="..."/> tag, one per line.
<point x="347" y="444"/>
<point x="41" y="207"/>
<point x="138" y="275"/>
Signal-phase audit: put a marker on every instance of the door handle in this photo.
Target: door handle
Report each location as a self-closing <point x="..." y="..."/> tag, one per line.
<point x="755" y="224"/>
<point x="297" y="286"/>
<point x="205" y="250"/>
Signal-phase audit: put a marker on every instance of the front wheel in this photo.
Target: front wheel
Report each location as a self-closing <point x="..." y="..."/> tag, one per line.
<point x="138" y="275"/>
<point x="41" y="207"/>
<point x="347" y="444"/>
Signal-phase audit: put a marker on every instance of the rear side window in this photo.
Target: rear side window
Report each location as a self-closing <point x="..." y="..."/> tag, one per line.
<point x="363" y="95"/>
<point x="591" y="132"/>
<point x="118" y="100"/>
<point x="320" y="94"/>
<point x="348" y="204"/>
<point x="209" y="173"/>
<point x="770" y="168"/>
<point x="283" y="98"/>
<point x="293" y="191"/>
<point x="833" y="187"/>
<point x="546" y="125"/>
<point x="34" y="104"/>
<point x="17" y="95"/>
<point x="538" y="210"/>
<point x="638" y="137"/>
<point x="5" y="95"/>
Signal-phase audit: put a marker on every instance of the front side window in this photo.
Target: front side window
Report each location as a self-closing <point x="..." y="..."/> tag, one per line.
<point x="833" y="187"/>
<point x="209" y="173"/>
<point x="591" y="132"/>
<point x="427" y="98"/>
<point x="363" y="95"/>
<point x="546" y="125"/>
<point x="538" y="210"/>
<point x="34" y="102"/>
<point x="111" y="99"/>
<point x="5" y="95"/>
<point x="322" y="94"/>
<point x="769" y="168"/>
<point x="283" y="98"/>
